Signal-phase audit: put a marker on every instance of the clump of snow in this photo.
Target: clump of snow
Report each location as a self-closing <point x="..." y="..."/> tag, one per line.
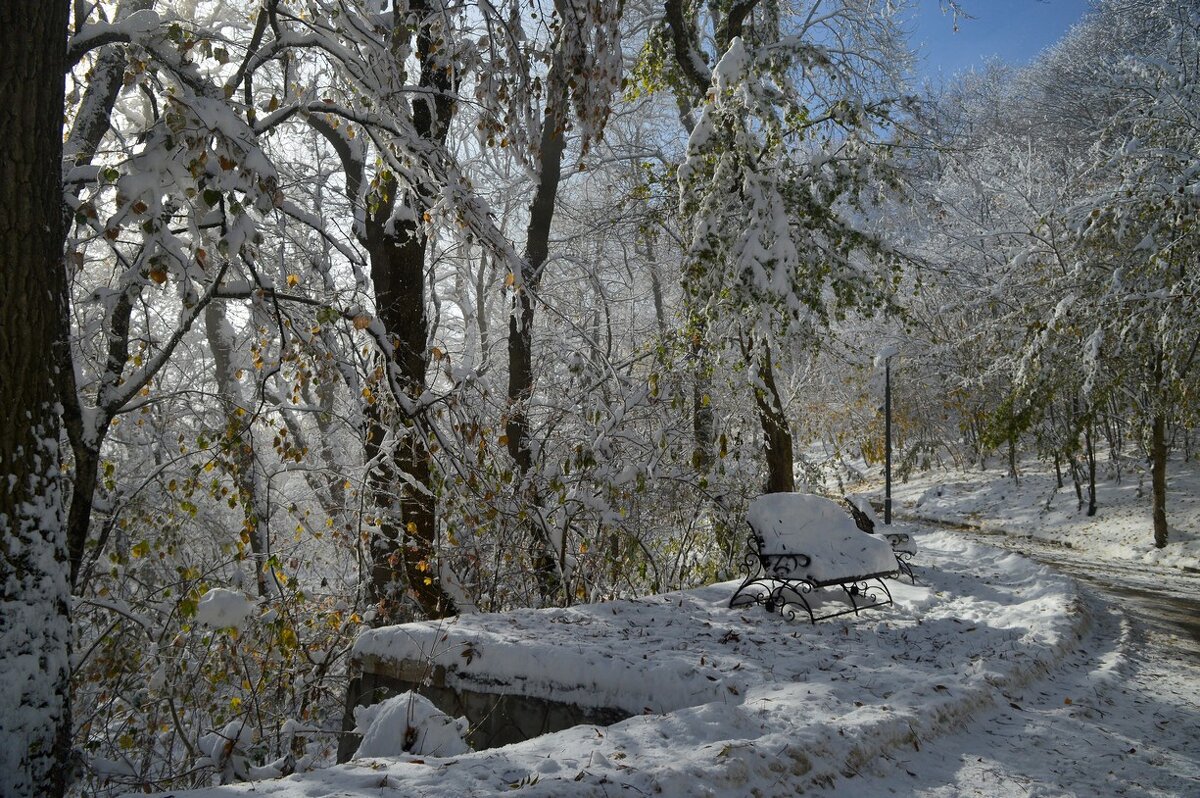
<point x="408" y="724"/>
<point x="701" y="133"/>
<point x="821" y="529"/>
<point x="731" y="69"/>
<point x="225" y="750"/>
<point x="221" y="608"/>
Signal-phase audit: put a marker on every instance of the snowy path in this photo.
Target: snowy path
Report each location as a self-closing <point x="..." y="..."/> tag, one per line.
<point x="1119" y="717"/>
<point x="1164" y="601"/>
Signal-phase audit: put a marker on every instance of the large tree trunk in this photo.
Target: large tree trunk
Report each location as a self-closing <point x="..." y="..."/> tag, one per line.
<point x="547" y="554"/>
<point x="1089" y="450"/>
<point x="35" y="733"/>
<point x="238" y="416"/>
<point x="1158" y="477"/>
<point x="400" y="481"/>
<point x="403" y="553"/>
<point x="777" y="433"/>
<point x="1158" y="457"/>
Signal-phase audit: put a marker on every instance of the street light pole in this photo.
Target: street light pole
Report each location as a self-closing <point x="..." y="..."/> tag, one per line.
<point x="887" y="443"/>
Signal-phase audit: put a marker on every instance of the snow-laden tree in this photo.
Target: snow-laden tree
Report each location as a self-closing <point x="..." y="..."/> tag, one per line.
<point x="1136" y="231"/>
<point x="1059" y="236"/>
<point x="782" y="176"/>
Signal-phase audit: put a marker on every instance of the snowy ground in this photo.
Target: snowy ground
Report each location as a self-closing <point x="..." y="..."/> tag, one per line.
<point x="1035" y="507"/>
<point x="993" y="676"/>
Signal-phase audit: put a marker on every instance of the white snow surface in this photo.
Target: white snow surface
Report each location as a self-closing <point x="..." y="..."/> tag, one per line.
<point x="992" y="676"/>
<point x="221" y="607"/>
<point x="735" y="702"/>
<point x="408" y="723"/>
<point x="1037" y="508"/>
<point x="821" y="529"/>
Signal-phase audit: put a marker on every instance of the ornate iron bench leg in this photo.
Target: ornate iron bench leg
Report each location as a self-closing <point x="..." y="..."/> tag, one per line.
<point x="797" y="597"/>
<point x="865" y="589"/>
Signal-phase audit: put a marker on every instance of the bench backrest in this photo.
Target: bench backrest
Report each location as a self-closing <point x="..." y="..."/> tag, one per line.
<point x="821" y="531"/>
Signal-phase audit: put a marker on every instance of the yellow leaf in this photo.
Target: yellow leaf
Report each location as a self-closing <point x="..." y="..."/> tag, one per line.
<point x="293" y="280"/>
<point x="428" y="581"/>
<point x="509" y="279"/>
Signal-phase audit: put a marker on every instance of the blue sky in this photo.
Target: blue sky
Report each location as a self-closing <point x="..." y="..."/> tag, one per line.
<point x="1013" y="30"/>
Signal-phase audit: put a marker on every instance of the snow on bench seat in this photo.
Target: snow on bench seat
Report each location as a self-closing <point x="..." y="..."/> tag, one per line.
<point x="800" y="542"/>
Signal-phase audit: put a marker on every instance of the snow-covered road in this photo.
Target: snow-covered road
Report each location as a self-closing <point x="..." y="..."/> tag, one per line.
<point x="1070" y="734"/>
<point x="1165" y="601"/>
<point x="1119" y="717"/>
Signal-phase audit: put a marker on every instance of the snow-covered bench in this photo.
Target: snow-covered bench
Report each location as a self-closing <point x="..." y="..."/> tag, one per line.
<point x="800" y="543"/>
<point x="903" y="546"/>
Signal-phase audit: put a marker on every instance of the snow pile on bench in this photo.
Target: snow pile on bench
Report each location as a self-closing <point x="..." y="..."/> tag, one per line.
<point x="818" y="528"/>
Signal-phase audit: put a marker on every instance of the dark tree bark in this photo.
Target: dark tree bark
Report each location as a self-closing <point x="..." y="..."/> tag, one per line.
<point x="547" y="561"/>
<point x="1158" y="459"/>
<point x="1158" y="478"/>
<point x="403" y="550"/>
<point x="1089" y="450"/>
<point x="728" y="22"/>
<point x="35" y="733"/>
<point x="777" y="433"/>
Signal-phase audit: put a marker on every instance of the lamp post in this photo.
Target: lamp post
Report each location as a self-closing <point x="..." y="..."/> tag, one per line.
<point x="887" y="440"/>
